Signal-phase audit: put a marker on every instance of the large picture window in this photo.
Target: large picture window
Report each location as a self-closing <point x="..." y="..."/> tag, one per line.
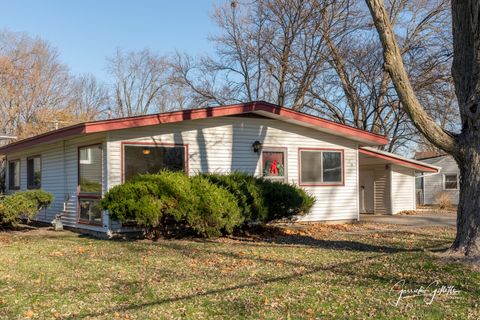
<point x="143" y="159"/>
<point x="14" y="175"/>
<point x="34" y="173"/>
<point x="274" y="164"/>
<point x="321" y="167"/>
<point x="90" y="184"/>
<point x="450" y="181"/>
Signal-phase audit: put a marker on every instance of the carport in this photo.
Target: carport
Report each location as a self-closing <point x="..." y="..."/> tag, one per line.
<point x="387" y="181"/>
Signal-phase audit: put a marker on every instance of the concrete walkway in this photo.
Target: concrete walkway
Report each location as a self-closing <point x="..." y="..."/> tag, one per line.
<point x="423" y="220"/>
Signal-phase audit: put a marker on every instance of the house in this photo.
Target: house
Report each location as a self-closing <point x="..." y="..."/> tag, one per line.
<point x="336" y="163"/>
<point x="446" y="181"/>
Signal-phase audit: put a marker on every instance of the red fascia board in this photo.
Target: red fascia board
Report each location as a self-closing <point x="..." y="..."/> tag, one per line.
<point x="194" y="114"/>
<point x="398" y="161"/>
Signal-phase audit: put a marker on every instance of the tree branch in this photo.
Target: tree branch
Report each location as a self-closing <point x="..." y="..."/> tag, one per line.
<point x="396" y="69"/>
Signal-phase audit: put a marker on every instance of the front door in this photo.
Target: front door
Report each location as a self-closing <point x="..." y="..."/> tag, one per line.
<point x="366" y="180"/>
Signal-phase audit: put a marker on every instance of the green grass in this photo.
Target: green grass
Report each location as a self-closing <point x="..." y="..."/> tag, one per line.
<point x="324" y="273"/>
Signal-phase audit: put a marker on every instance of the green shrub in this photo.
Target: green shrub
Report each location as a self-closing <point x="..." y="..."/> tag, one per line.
<point x="23" y="204"/>
<point x="263" y="200"/>
<point x="172" y="203"/>
<point x="285" y="201"/>
<point x="42" y="198"/>
<point x="206" y="205"/>
<point x="216" y="211"/>
<point x="247" y="190"/>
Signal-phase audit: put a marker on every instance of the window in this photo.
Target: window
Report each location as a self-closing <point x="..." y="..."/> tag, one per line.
<point x="14" y="175"/>
<point x="85" y="156"/>
<point x="142" y="159"/>
<point x="321" y="167"/>
<point x="274" y="164"/>
<point x="450" y="181"/>
<point x="90" y="184"/>
<point x="34" y="173"/>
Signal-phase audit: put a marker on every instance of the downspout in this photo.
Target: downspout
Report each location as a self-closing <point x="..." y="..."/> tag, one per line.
<point x="65" y="195"/>
<point x="358" y="184"/>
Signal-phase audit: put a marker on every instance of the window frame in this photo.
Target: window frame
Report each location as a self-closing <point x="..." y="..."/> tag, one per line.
<point x="284" y="150"/>
<point x="151" y="144"/>
<point x="15" y="188"/>
<point x="321" y="184"/>
<point x="445" y="181"/>
<point x="29" y="186"/>
<point x="86" y="196"/>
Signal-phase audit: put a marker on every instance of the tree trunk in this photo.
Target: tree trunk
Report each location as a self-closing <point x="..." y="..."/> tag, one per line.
<point x="464" y="147"/>
<point x="467" y="240"/>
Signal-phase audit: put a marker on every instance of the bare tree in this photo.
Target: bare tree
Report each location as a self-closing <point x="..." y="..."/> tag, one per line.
<point x="320" y="57"/>
<point x="90" y="99"/>
<point x="463" y="146"/>
<point x="139" y="79"/>
<point x="37" y="90"/>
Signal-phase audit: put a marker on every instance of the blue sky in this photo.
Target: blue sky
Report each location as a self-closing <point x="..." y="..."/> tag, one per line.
<point x="87" y="31"/>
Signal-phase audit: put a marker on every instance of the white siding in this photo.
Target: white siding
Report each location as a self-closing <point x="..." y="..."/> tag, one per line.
<point x="433" y="184"/>
<point x="382" y="190"/>
<point x="59" y="177"/>
<point x="225" y="145"/>
<point x="402" y="189"/>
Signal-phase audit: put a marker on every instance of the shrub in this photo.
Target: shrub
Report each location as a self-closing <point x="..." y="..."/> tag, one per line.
<point x="443" y="200"/>
<point x="172" y="203"/>
<point x="23" y="204"/>
<point x="42" y="198"/>
<point x="247" y="191"/>
<point x="285" y="201"/>
<point x="264" y="200"/>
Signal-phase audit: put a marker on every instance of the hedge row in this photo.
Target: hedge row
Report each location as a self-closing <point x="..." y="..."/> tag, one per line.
<point x="172" y="204"/>
<point x="23" y="204"/>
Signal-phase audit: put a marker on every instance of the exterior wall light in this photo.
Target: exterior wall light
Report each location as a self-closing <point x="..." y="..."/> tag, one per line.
<point x="146" y="151"/>
<point x="257" y="145"/>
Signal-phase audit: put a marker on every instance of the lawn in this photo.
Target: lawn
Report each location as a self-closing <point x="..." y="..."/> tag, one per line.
<point x="321" y="272"/>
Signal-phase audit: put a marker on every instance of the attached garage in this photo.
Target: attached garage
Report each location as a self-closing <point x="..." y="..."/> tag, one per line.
<point x="387" y="181"/>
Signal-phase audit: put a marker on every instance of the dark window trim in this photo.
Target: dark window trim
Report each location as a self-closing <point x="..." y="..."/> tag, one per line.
<point x="81" y="195"/>
<point x="19" y="174"/>
<point x="275" y="149"/>
<point x="29" y="186"/>
<point x="321" y="184"/>
<point x="150" y="144"/>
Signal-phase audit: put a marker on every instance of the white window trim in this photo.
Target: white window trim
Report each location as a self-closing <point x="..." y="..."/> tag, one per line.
<point x="444" y="180"/>
<point x="89" y="157"/>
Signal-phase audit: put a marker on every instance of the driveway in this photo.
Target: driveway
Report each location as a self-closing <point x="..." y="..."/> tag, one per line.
<point x="423" y="220"/>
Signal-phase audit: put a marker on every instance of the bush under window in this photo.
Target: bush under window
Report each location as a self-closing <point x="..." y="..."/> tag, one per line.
<point x="172" y="204"/>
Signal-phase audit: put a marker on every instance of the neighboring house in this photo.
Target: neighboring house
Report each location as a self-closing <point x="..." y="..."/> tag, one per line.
<point x="334" y="162"/>
<point x="430" y="186"/>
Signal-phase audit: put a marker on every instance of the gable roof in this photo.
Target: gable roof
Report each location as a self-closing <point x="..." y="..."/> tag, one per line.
<point x="399" y="160"/>
<point x="422" y="155"/>
<point x="257" y="107"/>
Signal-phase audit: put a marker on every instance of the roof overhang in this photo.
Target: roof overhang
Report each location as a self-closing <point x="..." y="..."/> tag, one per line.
<point x="389" y="157"/>
<point x="364" y="138"/>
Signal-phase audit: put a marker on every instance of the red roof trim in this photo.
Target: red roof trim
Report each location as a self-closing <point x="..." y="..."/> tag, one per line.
<point x="193" y="114"/>
<point x="398" y="161"/>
